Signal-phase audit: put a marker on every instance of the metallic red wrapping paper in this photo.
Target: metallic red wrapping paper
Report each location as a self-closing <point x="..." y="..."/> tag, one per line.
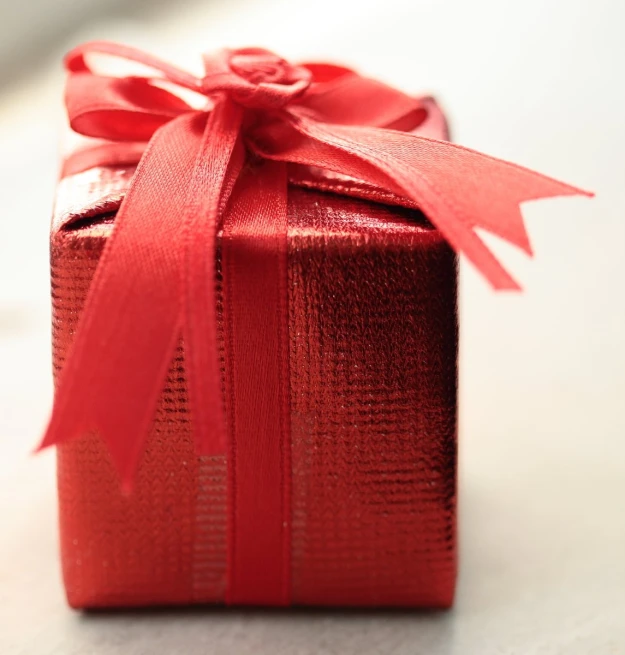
<point x="373" y="346"/>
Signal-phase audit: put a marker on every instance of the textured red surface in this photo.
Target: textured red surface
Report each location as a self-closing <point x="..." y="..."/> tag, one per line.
<point x="373" y="342"/>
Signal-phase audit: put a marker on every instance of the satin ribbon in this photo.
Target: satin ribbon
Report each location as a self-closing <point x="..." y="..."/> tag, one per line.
<point x="155" y="282"/>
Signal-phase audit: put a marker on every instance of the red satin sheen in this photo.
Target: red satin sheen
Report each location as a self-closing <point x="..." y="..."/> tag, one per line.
<point x="156" y="279"/>
<point x="257" y="389"/>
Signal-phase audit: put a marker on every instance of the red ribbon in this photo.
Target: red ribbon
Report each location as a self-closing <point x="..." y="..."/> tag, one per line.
<point x="155" y="282"/>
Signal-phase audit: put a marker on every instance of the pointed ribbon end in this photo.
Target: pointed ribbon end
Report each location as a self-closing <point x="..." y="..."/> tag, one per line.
<point x="124" y="452"/>
<point x="125" y="461"/>
<point x="576" y="191"/>
<point x="554" y="188"/>
<point x="508" y="284"/>
<point x="40" y="447"/>
<point x="570" y="190"/>
<point x="54" y="435"/>
<point x="127" y="486"/>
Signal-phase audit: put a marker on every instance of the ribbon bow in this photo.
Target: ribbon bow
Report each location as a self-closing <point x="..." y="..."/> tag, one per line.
<point x="155" y="282"/>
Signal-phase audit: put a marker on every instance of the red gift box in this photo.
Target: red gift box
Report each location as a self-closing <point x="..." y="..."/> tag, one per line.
<point x="333" y="480"/>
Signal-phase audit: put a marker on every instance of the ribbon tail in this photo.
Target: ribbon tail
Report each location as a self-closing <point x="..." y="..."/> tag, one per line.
<point x="130" y="326"/>
<point x="218" y="163"/>
<point x="458" y="189"/>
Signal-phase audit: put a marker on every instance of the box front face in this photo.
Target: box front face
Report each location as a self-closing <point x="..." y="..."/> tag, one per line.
<point x="373" y="339"/>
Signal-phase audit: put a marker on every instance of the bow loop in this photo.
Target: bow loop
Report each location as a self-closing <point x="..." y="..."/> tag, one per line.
<point x="119" y="108"/>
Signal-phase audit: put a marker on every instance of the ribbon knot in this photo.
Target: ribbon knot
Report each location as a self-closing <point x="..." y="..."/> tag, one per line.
<point x="256" y="78"/>
<point x="193" y="166"/>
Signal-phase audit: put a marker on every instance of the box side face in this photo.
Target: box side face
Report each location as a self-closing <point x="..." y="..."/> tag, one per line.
<point x="373" y="407"/>
<point x="373" y="339"/>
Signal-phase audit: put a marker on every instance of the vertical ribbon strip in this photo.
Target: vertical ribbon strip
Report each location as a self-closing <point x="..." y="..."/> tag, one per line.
<point x="254" y="263"/>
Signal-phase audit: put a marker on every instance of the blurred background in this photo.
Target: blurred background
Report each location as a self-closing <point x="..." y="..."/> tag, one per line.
<point x="542" y="374"/>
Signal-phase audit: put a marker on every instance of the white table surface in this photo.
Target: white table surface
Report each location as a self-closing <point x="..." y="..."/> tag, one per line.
<point x="542" y="388"/>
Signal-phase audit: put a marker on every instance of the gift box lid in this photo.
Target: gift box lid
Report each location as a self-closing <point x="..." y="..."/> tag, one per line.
<point x="98" y="193"/>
